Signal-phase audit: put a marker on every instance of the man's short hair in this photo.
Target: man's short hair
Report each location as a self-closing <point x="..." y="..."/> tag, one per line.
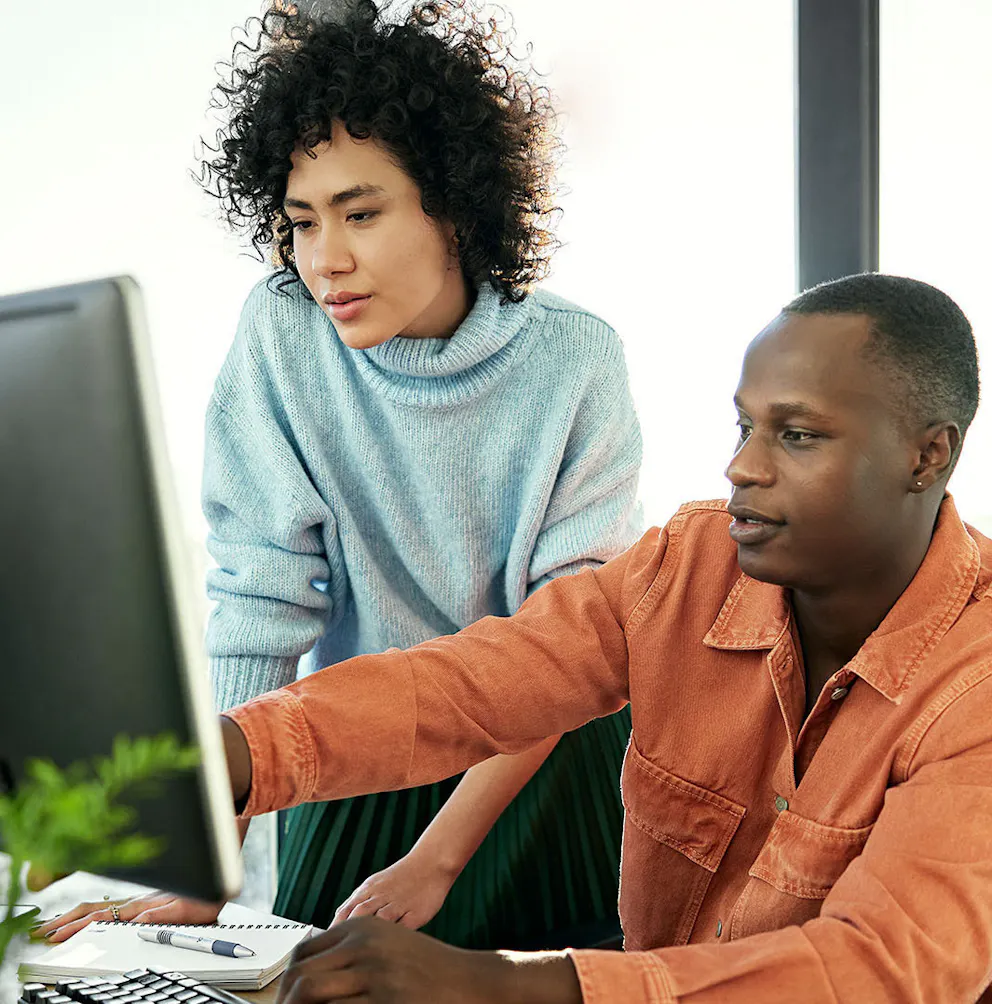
<point x="918" y="331"/>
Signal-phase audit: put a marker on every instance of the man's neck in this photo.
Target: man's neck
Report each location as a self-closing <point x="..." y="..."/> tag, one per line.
<point x="834" y="623"/>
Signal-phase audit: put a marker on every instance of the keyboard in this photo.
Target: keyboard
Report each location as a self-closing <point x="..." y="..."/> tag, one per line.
<point x="139" y="986"/>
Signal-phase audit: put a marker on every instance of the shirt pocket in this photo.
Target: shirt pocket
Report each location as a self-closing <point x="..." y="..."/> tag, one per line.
<point x="675" y="834"/>
<point x="798" y="865"/>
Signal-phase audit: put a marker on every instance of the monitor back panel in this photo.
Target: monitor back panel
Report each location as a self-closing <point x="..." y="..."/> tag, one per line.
<point x="88" y="641"/>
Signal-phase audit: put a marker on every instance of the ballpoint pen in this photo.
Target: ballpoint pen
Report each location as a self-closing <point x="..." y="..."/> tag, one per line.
<point x="179" y="940"/>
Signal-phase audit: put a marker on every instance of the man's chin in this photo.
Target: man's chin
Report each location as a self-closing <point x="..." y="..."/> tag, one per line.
<point x="764" y="567"/>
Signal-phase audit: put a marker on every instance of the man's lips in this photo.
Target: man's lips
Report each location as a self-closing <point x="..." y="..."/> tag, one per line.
<point x="752" y="527"/>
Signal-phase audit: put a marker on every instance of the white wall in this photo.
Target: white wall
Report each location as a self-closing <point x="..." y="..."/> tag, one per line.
<point x="936" y="197"/>
<point x="678" y="225"/>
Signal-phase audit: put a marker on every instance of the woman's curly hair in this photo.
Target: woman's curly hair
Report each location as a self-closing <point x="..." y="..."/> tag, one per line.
<point x="438" y="87"/>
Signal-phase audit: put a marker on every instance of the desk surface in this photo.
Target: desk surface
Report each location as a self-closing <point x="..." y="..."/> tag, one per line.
<point x="69" y="892"/>
<point x="266" y="996"/>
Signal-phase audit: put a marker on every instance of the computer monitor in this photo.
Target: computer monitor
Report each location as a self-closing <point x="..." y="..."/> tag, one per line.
<point x="98" y="631"/>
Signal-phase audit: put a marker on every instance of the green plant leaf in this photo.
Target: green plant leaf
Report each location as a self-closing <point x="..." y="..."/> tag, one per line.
<point x="69" y="819"/>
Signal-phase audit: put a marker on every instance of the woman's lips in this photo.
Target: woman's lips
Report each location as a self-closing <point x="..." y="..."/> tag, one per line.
<point x="750" y="531"/>
<point x="350" y="309"/>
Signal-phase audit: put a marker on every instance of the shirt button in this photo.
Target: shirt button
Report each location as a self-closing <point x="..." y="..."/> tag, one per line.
<point x="719" y="928"/>
<point x="838" y="693"/>
<point x="781" y="804"/>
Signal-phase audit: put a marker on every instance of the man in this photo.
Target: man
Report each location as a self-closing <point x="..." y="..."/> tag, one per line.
<point x="808" y="787"/>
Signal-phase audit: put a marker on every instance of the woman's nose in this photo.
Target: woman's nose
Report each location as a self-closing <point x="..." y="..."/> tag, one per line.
<point x="331" y="256"/>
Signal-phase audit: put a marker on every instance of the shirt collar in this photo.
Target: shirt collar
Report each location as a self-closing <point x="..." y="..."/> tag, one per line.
<point x="756" y="615"/>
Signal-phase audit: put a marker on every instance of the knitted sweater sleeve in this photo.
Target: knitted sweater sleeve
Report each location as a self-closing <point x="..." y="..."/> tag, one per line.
<point x="592" y="513"/>
<point x="268" y="533"/>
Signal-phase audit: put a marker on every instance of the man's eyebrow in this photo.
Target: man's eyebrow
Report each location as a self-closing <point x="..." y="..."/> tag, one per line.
<point x="789" y="409"/>
<point x="355" y="192"/>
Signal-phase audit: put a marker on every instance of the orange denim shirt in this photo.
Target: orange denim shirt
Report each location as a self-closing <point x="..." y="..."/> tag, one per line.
<point x="847" y="857"/>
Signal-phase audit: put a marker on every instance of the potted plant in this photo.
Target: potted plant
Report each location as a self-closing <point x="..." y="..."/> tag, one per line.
<point x="64" y="820"/>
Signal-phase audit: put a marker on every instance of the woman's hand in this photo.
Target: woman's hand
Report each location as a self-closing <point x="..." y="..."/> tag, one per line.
<point x="149" y="908"/>
<point x="369" y="960"/>
<point x="409" y="892"/>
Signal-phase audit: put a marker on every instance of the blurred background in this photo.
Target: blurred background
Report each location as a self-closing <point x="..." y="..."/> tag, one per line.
<point x="678" y="215"/>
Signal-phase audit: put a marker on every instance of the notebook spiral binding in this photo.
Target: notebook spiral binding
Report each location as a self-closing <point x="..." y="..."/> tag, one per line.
<point x="289" y="925"/>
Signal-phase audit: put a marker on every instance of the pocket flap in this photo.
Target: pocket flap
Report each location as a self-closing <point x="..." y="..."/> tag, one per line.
<point x="805" y="858"/>
<point x="684" y="816"/>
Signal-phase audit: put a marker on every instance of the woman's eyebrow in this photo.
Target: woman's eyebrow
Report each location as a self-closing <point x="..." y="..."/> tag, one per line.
<point x="346" y="195"/>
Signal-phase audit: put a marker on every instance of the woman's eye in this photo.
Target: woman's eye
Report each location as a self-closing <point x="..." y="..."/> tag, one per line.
<point x="362" y="216"/>
<point x="743" y="430"/>
<point x="302" y="224"/>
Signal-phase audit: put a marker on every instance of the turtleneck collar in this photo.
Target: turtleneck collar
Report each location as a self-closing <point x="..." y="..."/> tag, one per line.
<point x="446" y="371"/>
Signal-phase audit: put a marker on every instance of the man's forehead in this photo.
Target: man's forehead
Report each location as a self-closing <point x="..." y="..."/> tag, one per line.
<point x="787" y="331"/>
<point x="813" y="359"/>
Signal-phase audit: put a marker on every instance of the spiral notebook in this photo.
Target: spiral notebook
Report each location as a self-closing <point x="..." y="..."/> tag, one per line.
<point x="103" y="948"/>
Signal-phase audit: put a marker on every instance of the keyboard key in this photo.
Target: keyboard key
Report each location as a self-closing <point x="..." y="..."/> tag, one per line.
<point x="135" y="973"/>
<point x="30" y="991"/>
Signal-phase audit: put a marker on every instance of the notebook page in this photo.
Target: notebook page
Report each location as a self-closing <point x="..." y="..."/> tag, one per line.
<point x="103" y="948"/>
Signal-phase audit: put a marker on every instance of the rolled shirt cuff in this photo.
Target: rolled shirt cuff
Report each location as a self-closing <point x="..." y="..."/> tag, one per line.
<point x="634" y="977"/>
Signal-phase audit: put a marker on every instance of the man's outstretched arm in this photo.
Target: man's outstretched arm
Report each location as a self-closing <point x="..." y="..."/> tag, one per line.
<point x="402" y="719"/>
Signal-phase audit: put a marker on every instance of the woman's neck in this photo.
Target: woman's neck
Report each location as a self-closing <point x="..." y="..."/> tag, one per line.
<point x="446" y="311"/>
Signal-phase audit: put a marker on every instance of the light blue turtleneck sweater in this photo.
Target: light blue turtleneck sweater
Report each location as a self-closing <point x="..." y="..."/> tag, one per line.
<point x="363" y="499"/>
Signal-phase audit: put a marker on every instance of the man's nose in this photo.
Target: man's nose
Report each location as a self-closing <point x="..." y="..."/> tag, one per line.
<point x="750" y="465"/>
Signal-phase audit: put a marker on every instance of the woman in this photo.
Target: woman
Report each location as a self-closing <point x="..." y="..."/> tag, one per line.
<point x="403" y="439"/>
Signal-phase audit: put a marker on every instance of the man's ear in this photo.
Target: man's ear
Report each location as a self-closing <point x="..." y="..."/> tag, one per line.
<point x="938" y="452"/>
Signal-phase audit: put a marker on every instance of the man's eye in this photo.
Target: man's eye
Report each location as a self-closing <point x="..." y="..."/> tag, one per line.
<point x="744" y="429"/>
<point x="302" y="224"/>
<point x="799" y="436"/>
<point x="362" y="216"/>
